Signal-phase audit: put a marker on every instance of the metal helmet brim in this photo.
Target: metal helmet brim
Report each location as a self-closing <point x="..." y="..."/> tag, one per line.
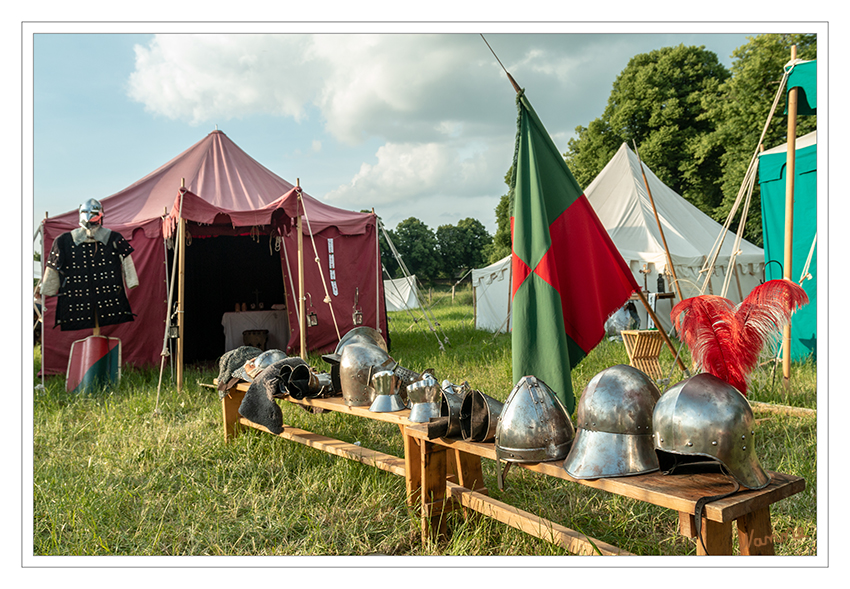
<point x="597" y="454"/>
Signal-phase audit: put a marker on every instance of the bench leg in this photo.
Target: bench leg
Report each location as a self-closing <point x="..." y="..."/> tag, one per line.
<point x="755" y="534"/>
<point x="433" y="494"/>
<point x="230" y="412"/>
<point x="467" y="471"/>
<point x="717" y="538"/>
<point x="412" y="468"/>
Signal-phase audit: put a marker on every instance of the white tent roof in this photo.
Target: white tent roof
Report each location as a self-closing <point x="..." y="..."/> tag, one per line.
<point x="619" y="197"/>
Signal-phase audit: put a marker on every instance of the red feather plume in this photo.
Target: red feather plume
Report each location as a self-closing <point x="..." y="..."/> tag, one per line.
<point x="726" y="340"/>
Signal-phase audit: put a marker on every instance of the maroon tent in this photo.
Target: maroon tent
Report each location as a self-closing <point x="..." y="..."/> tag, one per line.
<point x="241" y="247"/>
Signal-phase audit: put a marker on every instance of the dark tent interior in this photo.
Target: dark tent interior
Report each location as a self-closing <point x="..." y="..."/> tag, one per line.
<point x="221" y="272"/>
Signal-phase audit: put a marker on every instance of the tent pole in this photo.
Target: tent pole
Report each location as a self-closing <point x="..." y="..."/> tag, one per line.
<point x="660" y="229"/>
<point x="789" y="219"/>
<point x="181" y="286"/>
<point x="302" y="328"/>
<point x="666" y="339"/>
<point x="378" y="275"/>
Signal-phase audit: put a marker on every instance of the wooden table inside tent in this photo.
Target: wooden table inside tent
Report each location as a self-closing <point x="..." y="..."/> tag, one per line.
<point x="444" y="474"/>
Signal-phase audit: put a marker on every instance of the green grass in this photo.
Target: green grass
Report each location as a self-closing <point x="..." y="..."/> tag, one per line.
<point x="111" y="477"/>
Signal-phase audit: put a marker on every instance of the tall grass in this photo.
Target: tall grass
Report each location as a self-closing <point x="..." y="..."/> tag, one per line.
<point x="112" y="477"/>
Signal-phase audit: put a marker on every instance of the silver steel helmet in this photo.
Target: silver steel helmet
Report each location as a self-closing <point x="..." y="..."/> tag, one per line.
<point x="387" y="399"/>
<point x="424" y="396"/>
<point x="253" y="367"/>
<point x="614" y="421"/>
<point x="359" y="361"/>
<point x="91" y="213"/>
<point x="360" y="334"/>
<point x="704" y="418"/>
<point x="533" y="426"/>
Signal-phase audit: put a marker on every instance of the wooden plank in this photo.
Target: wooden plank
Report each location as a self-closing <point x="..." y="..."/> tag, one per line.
<point x="782" y="409"/>
<point x="676" y="492"/>
<point x="387" y="462"/>
<point x="575" y="542"/>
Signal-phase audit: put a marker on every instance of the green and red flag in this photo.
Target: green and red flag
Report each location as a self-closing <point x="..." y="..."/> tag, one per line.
<point x="568" y="276"/>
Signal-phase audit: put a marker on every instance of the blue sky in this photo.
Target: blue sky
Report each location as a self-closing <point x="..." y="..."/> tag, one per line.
<point x="410" y="124"/>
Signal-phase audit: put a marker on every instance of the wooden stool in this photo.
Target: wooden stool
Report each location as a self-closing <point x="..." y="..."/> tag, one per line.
<point x="256" y="338"/>
<point x="643" y="347"/>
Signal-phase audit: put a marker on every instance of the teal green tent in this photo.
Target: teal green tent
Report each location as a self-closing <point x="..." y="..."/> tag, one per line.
<point x="772" y="181"/>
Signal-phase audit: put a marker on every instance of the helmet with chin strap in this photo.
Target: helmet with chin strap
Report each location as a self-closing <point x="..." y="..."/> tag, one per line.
<point x="705" y="421"/>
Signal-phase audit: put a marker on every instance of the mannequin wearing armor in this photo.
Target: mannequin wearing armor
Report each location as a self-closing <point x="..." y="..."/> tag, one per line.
<point x="87" y="271"/>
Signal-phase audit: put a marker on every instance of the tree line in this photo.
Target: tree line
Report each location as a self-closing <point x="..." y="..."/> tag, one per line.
<point x="696" y="125"/>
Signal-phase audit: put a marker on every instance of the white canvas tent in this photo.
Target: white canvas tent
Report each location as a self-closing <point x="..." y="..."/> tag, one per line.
<point x="492" y="291"/>
<point x="401" y="293"/>
<point x="619" y="197"/>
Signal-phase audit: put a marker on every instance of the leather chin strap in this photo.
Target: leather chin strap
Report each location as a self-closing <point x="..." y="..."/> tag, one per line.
<point x="703" y="501"/>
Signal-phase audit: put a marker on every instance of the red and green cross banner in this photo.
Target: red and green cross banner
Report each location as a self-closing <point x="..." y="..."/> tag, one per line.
<point x="568" y="276"/>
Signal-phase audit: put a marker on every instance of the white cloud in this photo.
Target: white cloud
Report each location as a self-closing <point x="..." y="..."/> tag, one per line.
<point x="202" y="78"/>
<point x="439" y="107"/>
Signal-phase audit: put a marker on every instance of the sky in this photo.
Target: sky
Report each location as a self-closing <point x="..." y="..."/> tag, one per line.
<point x="410" y="124"/>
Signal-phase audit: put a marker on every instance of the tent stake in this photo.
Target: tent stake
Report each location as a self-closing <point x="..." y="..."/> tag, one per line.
<point x="789" y="218"/>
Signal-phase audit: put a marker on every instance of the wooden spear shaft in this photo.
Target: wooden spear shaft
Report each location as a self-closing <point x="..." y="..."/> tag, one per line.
<point x="789" y="219"/>
<point x="660" y="229"/>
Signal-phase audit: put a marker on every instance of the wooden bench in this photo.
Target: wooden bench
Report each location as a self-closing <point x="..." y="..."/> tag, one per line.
<point x="443" y="474"/>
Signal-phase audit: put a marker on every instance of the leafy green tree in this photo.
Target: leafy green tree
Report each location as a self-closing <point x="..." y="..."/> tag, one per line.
<point x="743" y="109"/>
<point x="417" y="246"/>
<point x="501" y="244"/>
<point x="659" y="102"/>
<point x="462" y="246"/>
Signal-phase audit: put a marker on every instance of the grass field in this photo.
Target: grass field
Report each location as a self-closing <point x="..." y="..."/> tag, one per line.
<point x="111" y="477"/>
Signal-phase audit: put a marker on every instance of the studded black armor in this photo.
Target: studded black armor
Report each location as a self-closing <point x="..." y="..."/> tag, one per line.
<point x="92" y="282"/>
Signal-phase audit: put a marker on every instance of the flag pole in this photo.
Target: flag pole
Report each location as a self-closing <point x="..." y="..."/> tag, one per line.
<point x="646" y="304"/>
<point x="660" y="229"/>
<point x="789" y="219"/>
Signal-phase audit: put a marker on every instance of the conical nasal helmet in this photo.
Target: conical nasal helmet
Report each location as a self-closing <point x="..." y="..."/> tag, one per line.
<point x="614" y="421"/>
<point x="705" y="419"/>
<point x="533" y="425"/>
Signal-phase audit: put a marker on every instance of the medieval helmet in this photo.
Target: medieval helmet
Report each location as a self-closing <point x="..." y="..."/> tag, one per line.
<point x="705" y="419"/>
<point x="359" y="361"/>
<point x="91" y="213"/>
<point x="362" y="334"/>
<point x="253" y="367"/>
<point x="533" y="426"/>
<point x="614" y="421"/>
